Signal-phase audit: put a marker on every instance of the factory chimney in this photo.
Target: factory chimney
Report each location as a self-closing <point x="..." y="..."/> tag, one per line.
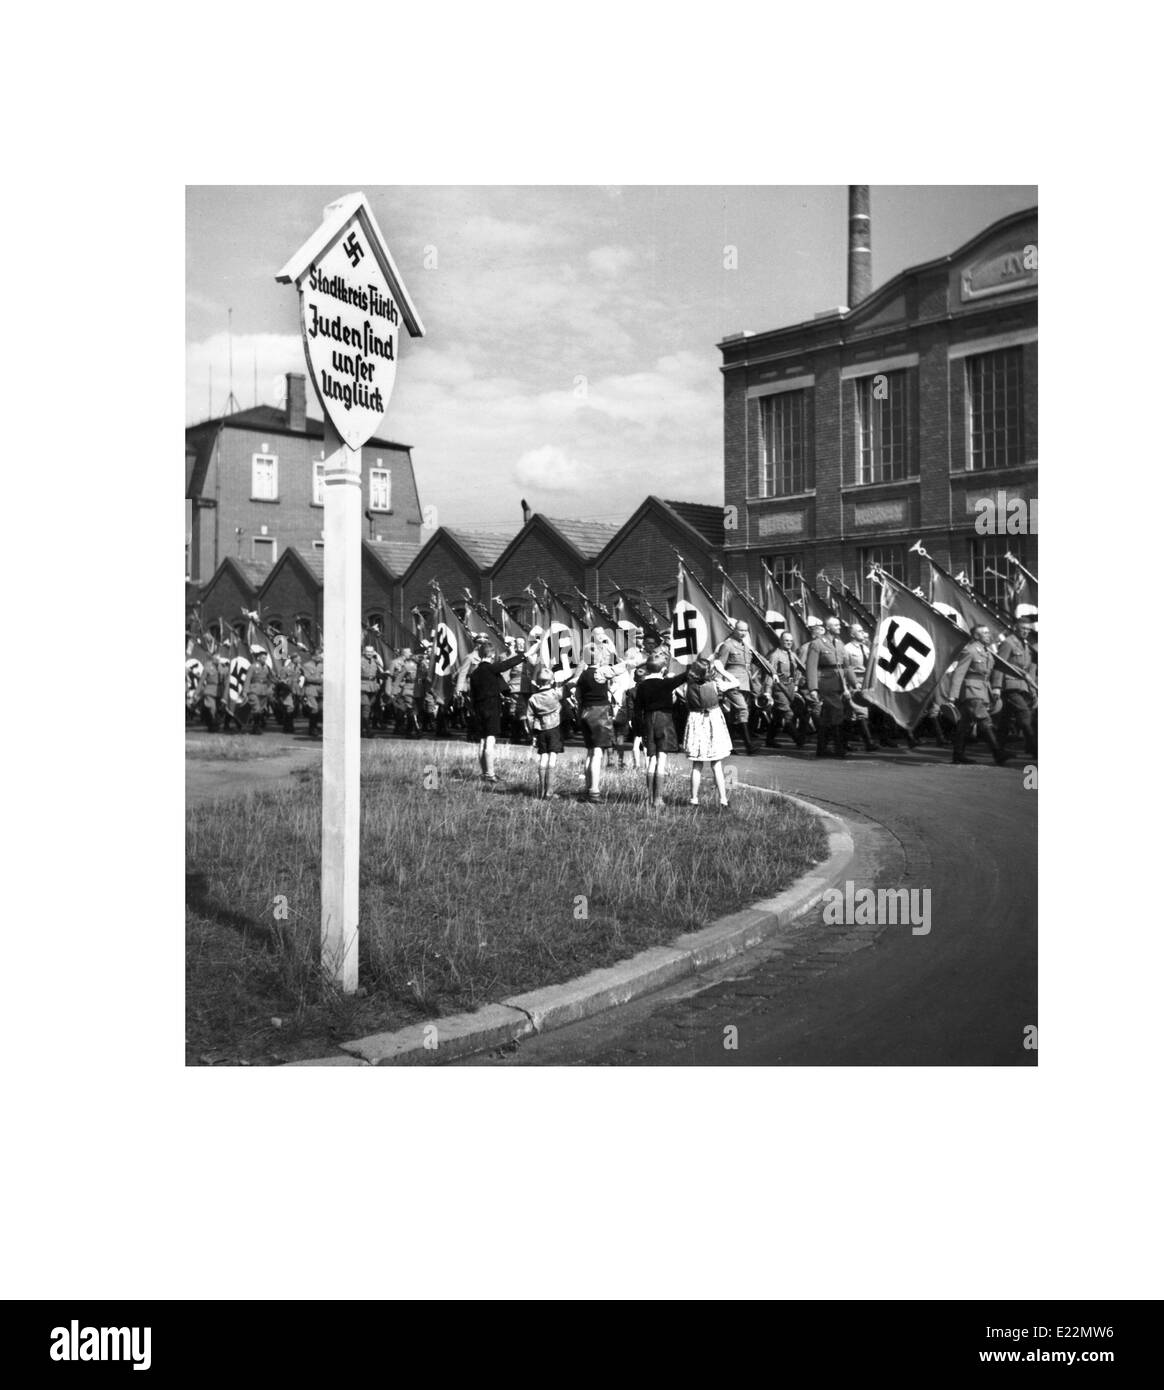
<point x="860" y="247"/>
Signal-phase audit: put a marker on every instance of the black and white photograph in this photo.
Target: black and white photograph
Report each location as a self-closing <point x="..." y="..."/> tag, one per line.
<point x="603" y="858"/>
<point x="610" y="613"/>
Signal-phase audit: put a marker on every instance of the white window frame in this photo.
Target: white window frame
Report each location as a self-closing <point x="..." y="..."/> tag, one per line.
<point x="265" y="540"/>
<point x="317" y="484"/>
<point x="273" y="460"/>
<point x="386" y="474"/>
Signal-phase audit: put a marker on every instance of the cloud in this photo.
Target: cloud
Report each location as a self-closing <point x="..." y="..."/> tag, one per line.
<point x="610" y="260"/>
<point x="495" y="232"/>
<point x="549" y="469"/>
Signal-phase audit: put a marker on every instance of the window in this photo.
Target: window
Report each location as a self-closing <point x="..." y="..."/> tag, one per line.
<point x="994" y="388"/>
<point x="263" y="549"/>
<point x="317" y="482"/>
<point x="891" y="558"/>
<point x="264" y="478"/>
<point x="783" y="567"/>
<point x="782" y="444"/>
<point x="275" y="624"/>
<point x="317" y="545"/>
<point x="989" y="568"/>
<point x="380" y="490"/>
<point x="882" y="452"/>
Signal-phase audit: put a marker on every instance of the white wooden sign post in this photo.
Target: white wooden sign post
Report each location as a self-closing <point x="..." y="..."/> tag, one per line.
<point x="352" y="304"/>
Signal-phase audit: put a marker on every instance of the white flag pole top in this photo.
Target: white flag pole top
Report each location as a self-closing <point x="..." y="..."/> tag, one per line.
<point x="351" y="303"/>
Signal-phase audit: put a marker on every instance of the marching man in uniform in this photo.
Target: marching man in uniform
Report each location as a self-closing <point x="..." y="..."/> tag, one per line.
<point x="369" y="684"/>
<point x="211" y="688"/>
<point x="781" y="692"/>
<point x="259" y="684"/>
<point x="1018" y="694"/>
<point x="970" y="691"/>
<point x="858" y="653"/>
<point x="829" y="678"/>
<point x="735" y="654"/>
<point x="313" y="691"/>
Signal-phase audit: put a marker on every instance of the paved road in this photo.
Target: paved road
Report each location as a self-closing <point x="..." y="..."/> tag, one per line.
<point x="961" y="995"/>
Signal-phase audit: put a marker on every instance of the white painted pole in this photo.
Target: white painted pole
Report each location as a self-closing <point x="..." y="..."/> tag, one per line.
<point x="340" y="862"/>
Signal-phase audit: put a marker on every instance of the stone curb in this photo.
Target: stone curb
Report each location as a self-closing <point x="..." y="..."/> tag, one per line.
<point x="460" y="1035"/>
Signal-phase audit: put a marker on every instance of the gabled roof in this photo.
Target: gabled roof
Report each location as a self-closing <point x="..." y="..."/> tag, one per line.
<point x="587" y="537"/>
<point x="701" y="522"/>
<point x="249" y="573"/>
<point x="309" y="561"/>
<point x="482" y="546"/>
<point x="395" y="556"/>
<point x="701" y="517"/>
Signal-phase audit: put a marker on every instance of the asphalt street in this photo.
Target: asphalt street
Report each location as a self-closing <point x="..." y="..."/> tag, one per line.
<point x="884" y="995"/>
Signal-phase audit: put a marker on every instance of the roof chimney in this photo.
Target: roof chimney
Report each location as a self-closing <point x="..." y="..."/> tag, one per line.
<point x="860" y="247"/>
<point x="526" y="512"/>
<point x="296" y="401"/>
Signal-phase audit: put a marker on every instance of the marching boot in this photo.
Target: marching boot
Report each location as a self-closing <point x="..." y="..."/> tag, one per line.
<point x="746" y="733"/>
<point x="822" y="739"/>
<point x="289" y="724"/>
<point x="999" y="754"/>
<point x="960" y="746"/>
<point x="839" y="741"/>
<point x="774" y="726"/>
<point x="870" y="746"/>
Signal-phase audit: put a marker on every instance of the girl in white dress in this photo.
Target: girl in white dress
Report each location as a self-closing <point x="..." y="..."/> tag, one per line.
<point x="706" y="738"/>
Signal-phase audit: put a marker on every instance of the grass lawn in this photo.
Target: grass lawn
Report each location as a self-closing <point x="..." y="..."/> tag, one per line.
<point x="467" y="895"/>
<point x="234" y="748"/>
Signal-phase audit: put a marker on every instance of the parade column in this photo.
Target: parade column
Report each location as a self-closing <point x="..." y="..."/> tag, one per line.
<point x="351" y="305"/>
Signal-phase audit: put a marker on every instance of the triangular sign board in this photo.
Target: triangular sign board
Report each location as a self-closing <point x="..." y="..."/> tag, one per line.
<point x="352" y="306"/>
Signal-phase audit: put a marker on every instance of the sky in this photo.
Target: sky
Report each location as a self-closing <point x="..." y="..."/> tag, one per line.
<point x="569" y="355"/>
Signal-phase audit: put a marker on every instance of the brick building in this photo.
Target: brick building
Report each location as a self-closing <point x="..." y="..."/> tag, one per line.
<point x="561" y="551"/>
<point x="849" y="437"/>
<point x="458" y="559"/>
<point x="233" y="587"/>
<point x="254" y="487"/>
<point x="640" y="557"/>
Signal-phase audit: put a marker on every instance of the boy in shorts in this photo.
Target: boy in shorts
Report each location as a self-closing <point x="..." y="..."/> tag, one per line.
<point x="545" y="711"/>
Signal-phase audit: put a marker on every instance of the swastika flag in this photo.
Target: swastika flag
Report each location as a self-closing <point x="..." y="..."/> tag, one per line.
<point x="697" y="625"/>
<point x="451" y="649"/>
<point x="913" y="646"/>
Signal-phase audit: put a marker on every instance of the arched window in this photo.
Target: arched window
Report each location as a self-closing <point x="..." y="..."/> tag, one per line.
<point x="275" y="623"/>
<point x="305" y="629"/>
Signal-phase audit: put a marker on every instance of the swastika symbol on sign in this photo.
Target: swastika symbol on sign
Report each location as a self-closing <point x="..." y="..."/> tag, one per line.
<point x="897" y="645"/>
<point x="354" y="249"/>
<point x="685" y="633"/>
